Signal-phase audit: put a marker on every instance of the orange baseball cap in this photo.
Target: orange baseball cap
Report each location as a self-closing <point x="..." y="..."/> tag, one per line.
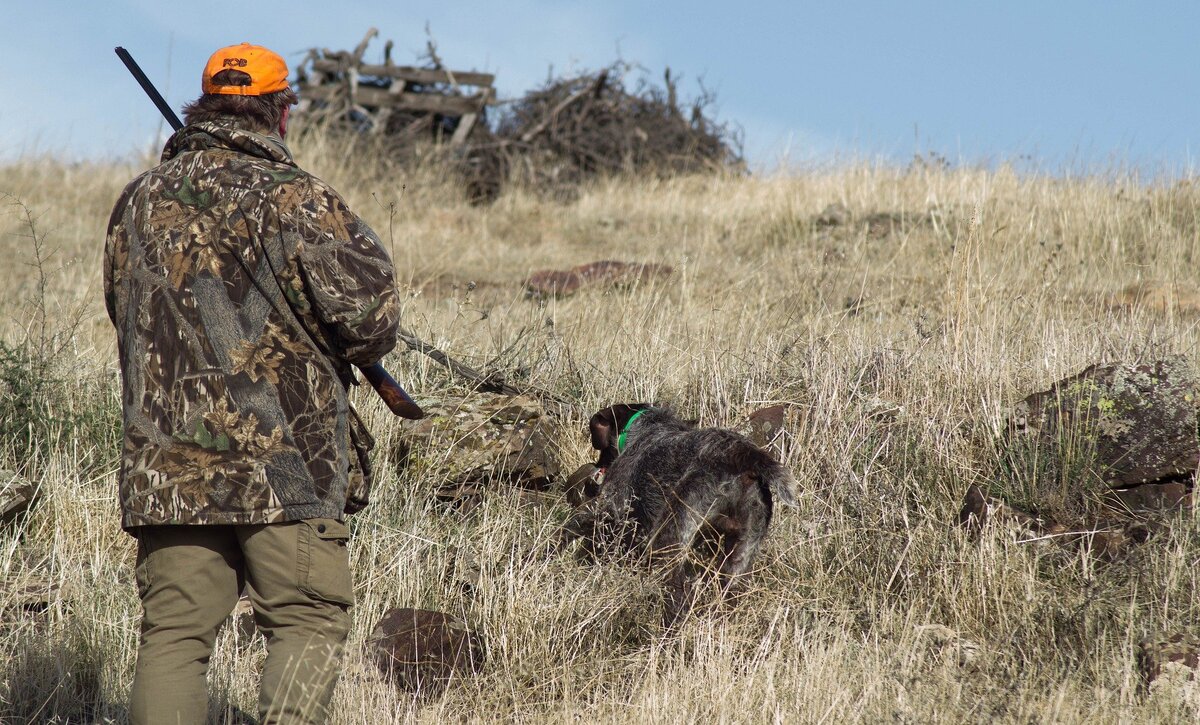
<point x="267" y="70"/>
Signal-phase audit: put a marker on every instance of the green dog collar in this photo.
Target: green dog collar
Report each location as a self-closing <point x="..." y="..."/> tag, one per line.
<point x="621" y="438"/>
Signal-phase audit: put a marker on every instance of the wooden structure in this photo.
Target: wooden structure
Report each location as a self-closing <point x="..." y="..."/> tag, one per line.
<point x="340" y="83"/>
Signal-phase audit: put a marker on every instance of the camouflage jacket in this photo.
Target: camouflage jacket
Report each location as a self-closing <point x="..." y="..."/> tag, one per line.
<point x="242" y="290"/>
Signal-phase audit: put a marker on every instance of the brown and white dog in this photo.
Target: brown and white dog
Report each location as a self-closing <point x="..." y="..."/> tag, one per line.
<point x="669" y="489"/>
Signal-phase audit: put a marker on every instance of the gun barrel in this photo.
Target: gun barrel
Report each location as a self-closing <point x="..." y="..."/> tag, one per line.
<point x="149" y="88"/>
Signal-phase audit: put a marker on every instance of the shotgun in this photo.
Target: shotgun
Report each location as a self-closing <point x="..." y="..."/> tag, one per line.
<point x="394" y="397"/>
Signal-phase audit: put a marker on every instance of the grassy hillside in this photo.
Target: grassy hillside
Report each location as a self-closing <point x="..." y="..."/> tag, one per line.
<point x="900" y="339"/>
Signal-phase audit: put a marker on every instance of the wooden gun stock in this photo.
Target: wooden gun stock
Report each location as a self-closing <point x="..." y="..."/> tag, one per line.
<point x="397" y="400"/>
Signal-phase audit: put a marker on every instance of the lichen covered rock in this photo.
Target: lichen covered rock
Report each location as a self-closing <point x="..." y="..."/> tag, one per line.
<point x="1120" y="424"/>
<point x="482" y="439"/>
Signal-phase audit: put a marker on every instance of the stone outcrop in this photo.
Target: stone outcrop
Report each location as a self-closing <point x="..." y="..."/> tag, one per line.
<point x="1137" y="423"/>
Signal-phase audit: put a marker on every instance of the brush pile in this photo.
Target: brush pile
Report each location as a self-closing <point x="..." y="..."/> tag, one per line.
<point x="574" y="129"/>
<point x="552" y="139"/>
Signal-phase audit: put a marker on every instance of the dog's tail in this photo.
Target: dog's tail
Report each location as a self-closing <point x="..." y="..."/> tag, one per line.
<point x="773" y="475"/>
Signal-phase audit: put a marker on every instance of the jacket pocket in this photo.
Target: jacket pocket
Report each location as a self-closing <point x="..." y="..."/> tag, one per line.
<point x="323" y="561"/>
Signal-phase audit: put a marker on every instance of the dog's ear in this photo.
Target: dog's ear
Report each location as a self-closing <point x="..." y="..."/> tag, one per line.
<point x="603" y="428"/>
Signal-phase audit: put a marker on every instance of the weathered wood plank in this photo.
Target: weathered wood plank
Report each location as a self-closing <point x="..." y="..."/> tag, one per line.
<point x="467" y="122"/>
<point x="371" y="96"/>
<point x="408" y="73"/>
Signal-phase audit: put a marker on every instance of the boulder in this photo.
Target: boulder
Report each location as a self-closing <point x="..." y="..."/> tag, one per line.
<point x="1135" y="423"/>
<point x="421" y="650"/>
<point x="480" y="439"/>
<point x="608" y="273"/>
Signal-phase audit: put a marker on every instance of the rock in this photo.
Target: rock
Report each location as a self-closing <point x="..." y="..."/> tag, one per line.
<point x="1136" y="423"/>
<point x="766" y="423"/>
<point x="481" y="439"/>
<point x="1157" y="654"/>
<point x="1150" y="498"/>
<point x="241" y="621"/>
<point x="16" y="497"/>
<point x="421" y="650"/>
<point x="609" y="272"/>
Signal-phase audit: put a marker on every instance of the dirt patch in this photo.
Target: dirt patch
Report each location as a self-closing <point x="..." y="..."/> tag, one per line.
<point x="1159" y="297"/>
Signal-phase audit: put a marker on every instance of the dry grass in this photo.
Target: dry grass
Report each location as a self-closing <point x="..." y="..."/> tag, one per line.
<point x="900" y="352"/>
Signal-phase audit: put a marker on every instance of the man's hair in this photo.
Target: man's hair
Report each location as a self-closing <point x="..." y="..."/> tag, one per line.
<point x="262" y="113"/>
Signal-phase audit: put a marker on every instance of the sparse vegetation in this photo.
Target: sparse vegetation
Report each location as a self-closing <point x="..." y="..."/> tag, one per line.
<point x="901" y="349"/>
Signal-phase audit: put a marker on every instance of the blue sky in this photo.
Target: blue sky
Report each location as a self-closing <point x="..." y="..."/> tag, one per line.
<point x="1072" y="84"/>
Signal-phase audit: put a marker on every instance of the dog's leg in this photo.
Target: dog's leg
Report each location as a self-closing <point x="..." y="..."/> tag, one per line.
<point x="746" y="529"/>
<point x="686" y="509"/>
<point x="691" y="504"/>
<point x="680" y="595"/>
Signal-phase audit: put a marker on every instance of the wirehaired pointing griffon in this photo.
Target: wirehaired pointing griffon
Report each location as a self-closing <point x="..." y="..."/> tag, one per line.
<point x="669" y="489"/>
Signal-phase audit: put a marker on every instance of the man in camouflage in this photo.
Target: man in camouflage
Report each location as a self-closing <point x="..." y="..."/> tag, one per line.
<point x="242" y="290"/>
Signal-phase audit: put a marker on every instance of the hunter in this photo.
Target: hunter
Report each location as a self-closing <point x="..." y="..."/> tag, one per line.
<point x="243" y="290"/>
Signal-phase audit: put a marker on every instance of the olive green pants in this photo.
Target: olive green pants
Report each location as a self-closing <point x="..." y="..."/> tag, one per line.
<point x="189" y="578"/>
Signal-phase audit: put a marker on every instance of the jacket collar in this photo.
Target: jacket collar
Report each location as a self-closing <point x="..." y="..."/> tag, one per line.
<point x="225" y="134"/>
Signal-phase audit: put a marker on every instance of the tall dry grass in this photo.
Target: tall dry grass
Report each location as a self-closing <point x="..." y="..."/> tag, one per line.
<point x="900" y="353"/>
